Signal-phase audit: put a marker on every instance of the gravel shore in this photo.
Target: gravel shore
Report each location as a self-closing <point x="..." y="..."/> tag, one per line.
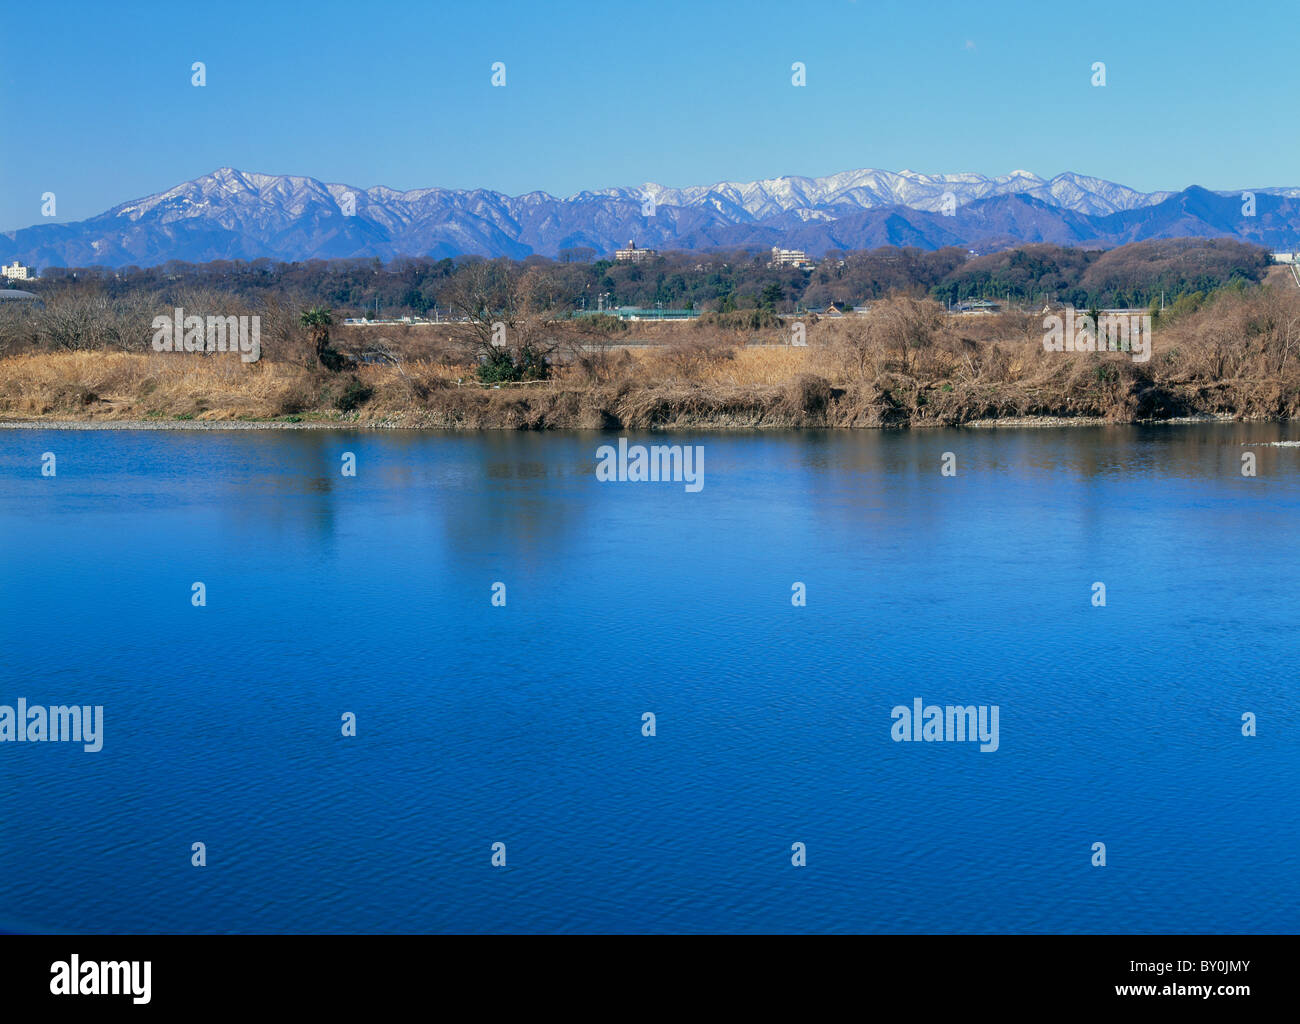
<point x="1018" y="422"/>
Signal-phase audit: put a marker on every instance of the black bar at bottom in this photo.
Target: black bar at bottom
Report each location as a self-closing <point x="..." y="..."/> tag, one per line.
<point x="337" y="974"/>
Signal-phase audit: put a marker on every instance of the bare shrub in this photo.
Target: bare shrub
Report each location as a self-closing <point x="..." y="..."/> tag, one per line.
<point x="807" y="397"/>
<point x="889" y="336"/>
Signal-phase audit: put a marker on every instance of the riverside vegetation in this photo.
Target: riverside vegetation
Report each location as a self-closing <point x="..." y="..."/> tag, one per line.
<point x="516" y="358"/>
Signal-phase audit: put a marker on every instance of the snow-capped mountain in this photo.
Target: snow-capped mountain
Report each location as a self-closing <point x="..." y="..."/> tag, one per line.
<point x="868" y="189"/>
<point x="232" y="214"/>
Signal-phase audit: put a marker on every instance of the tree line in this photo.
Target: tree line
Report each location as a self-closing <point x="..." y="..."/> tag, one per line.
<point x="1134" y="275"/>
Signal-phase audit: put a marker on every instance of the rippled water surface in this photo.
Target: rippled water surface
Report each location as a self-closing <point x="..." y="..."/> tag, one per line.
<point x="522" y="725"/>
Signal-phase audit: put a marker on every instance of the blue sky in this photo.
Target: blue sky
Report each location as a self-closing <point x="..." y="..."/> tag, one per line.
<point x="98" y="106"/>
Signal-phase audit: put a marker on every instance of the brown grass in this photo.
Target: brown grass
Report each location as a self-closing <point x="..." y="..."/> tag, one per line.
<point x="904" y="364"/>
<point x="121" y="385"/>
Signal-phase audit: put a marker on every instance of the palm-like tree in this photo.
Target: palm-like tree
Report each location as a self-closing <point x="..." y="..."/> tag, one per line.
<point x="318" y="320"/>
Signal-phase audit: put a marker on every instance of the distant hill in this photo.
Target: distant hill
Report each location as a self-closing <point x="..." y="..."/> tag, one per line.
<point x="231" y="214"/>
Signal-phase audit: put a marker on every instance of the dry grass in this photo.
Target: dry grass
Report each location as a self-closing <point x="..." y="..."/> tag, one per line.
<point x="1238" y="355"/>
<point x="757" y="367"/>
<point x="121" y="385"/>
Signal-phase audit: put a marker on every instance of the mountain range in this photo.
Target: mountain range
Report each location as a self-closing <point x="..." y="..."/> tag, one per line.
<point x="231" y="214"/>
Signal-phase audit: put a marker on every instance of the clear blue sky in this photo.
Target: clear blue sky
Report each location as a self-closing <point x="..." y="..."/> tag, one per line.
<point x="98" y="105"/>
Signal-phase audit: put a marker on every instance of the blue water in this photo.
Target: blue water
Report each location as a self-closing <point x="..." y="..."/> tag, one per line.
<point x="522" y="724"/>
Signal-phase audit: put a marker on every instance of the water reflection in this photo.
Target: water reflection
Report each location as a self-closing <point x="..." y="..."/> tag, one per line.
<point x="371" y="594"/>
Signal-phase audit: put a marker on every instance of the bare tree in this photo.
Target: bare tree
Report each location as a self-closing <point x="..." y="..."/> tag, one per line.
<point x="509" y="314"/>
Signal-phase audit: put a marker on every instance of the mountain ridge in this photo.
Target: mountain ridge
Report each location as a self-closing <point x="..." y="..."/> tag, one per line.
<point x="233" y="214"/>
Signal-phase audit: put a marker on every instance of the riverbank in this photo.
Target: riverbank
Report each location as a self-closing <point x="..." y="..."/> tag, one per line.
<point x="342" y="424"/>
<point x="418" y="423"/>
<point x="805" y="403"/>
<point x="903" y="366"/>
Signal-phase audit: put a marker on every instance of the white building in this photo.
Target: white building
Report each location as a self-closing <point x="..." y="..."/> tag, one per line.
<point x="16" y="271"/>
<point x="634" y="255"/>
<point x="789" y="258"/>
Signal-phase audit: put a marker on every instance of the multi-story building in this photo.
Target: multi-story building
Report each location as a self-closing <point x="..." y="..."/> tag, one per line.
<point x="16" y="271"/>
<point x="789" y="258"/>
<point x="634" y="255"/>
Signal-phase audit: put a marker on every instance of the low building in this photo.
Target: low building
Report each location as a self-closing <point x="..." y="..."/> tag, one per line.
<point x="974" y="306"/>
<point x="634" y="255"/>
<point x="1283" y="257"/>
<point x="16" y="271"/>
<point x="640" y="313"/>
<point x="655" y="313"/>
<point x="789" y="258"/>
<point x="8" y="295"/>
